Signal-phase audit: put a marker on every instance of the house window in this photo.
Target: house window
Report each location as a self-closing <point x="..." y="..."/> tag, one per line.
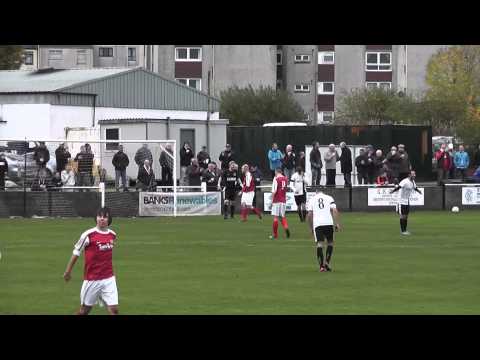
<point x="81" y="57"/>
<point x="325" y="117"/>
<point x="326" y="57"/>
<point x="279" y="57"/>
<point x="112" y="134"/>
<point x="188" y="54"/>
<point x="378" y="61"/>
<point x="132" y="54"/>
<point x="302" y="58"/>
<point x="194" y="83"/>
<point x="105" y="52"/>
<point x="302" y="88"/>
<point x="55" y="54"/>
<point x="28" y="58"/>
<point x="379" y="84"/>
<point x="326" y="88"/>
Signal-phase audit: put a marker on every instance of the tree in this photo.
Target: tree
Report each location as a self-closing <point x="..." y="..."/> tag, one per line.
<point x="11" y="57"/>
<point x="376" y="106"/>
<point x="453" y="76"/>
<point x="249" y="106"/>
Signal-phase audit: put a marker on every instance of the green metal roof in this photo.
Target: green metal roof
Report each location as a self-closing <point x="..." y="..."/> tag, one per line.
<point x="114" y="87"/>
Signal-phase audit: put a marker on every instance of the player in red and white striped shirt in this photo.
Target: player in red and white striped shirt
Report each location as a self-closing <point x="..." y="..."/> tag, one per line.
<point x="99" y="281"/>
<point x="248" y="193"/>
<point x="279" y="200"/>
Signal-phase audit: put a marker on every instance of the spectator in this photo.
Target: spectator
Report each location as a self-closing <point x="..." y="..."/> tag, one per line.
<point x="210" y="177"/>
<point x="145" y="178"/>
<point x="120" y="161"/>
<point x="331" y="157"/>
<point x="85" y="165"/>
<point x="346" y="163"/>
<point x="393" y="162"/>
<point x="275" y="157"/>
<point x="225" y="157"/>
<point x="42" y="181"/>
<point x="257" y="179"/>
<point x="462" y="161"/>
<point x="3" y="171"/>
<point x="41" y="155"/>
<point x="404" y="166"/>
<point x="301" y="160"/>
<point x="203" y="158"/>
<point x="194" y="173"/>
<point x="451" y="171"/>
<point x="370" y="153"/>
<point x="316" y="164"/>
<point x="166" y="163"/>
<point x="361" y="162"/>
<point x="443" y="164"/>
<point x="62" y="156"/>
<point x="56" y="183"/>
<point x="379" y="163"/>
<point x="289" y="162"/>
<point x="475" y="178"/>
<point x="186" y="156"/>
<point x="143" y="154"/>
<point x="476" y="158"/>
<point x="382" y="178"/>
<point x="68" y="177"/>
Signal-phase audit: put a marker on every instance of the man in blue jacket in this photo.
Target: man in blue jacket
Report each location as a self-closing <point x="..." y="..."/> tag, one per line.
<point x="275" y="157"/>
<point x="462" y="161"/>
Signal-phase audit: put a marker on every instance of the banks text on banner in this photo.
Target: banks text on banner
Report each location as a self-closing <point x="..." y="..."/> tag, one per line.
<point x="188" y="204"/>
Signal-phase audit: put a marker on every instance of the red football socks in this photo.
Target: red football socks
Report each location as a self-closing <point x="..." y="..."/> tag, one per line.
<point x="275" y="227"/>
<point x="284" y="223"/>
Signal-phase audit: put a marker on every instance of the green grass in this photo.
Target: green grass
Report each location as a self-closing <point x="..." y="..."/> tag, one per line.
<point x="206" y="265"/>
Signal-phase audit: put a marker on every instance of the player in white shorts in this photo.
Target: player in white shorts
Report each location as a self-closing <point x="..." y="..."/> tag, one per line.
<point x="248" y="193"/>
<point x="99" y="285"/>
<point x="322" y="211"/>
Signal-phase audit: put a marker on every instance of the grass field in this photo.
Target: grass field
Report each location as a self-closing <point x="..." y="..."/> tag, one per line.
<point x="207" y="265"/>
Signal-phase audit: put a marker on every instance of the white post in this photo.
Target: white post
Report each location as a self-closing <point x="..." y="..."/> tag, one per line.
<point x="174" y="178"/>
<point x="101" y="186"/>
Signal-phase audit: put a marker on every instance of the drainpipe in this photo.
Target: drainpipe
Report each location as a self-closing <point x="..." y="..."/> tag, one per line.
<point x="208" y="111"/>
<point x="315" y="87"/>
<point x="168" y="127"/>
<point x="94" y="105"/>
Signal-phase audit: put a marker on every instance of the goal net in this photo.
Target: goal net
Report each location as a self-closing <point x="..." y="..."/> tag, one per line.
<point x="52" y="173"/>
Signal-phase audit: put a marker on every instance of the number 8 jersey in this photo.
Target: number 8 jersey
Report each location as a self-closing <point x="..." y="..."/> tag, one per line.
<point x="320" y="204"/>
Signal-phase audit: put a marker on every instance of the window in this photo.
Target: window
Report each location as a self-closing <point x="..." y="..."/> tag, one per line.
<point x="378" y="61"/>
<point x="81" y="57"/>
<point x="28" y="58"/>
<point x="279" y="57"/>
<point x="188" y="54"/>
<point x="112" y="134"/>
<point x="326" y="57"/>
<point x="55" y="54"/>
<point x="325" y="117"/>
<point x="105" y="52"/>
<point x="194" y="83"/>
<point x="132" y="54"/>
<point x="326" y="88"/>
<point x="302" y="88"/>
<point x="302" y="58"/>
<point x="379" y="84"/>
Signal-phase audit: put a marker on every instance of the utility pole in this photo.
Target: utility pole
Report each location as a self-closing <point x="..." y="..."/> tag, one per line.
<point x="208" y="111"/>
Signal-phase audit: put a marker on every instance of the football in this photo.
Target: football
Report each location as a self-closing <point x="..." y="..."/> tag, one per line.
<point x="455" y="209"/>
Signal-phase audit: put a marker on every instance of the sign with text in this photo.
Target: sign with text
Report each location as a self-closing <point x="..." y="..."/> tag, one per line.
<point x="471" y="195"/>
<point x="188" y="204"/>
<point x="381" y="196"/>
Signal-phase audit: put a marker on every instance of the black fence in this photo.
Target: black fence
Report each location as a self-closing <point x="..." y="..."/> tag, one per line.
<point x="251" y="143"/>
<point x="85" y="204"/>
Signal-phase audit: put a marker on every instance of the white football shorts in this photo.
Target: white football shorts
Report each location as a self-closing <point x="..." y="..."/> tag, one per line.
<point x="278" y="209"/>
<point x="98" y="291"/>
<point x="247" y="198"/>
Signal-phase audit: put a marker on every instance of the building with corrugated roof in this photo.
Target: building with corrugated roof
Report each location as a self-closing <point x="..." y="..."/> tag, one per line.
<point x="48" y="103"/>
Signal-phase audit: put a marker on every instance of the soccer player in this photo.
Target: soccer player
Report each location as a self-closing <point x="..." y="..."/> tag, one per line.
<point x="407" y="186"/>
<point x="229" y="183"/>
<point x="248" y="193"/>
<point x="297" y="184"/>
<point x="99" y="284"/>
<point x="323" y="218"/>
<point x="279" y="199"/>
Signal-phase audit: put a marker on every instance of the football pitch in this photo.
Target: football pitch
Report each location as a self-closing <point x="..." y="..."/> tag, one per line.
<point x="207" y="265"/>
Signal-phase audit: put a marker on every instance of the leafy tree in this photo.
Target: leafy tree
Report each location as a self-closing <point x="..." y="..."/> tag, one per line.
<point x="256" y="106"/>
<point x="11" y="57"/>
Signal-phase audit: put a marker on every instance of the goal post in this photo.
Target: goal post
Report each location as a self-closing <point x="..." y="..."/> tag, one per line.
<point x="33" y="166"/>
